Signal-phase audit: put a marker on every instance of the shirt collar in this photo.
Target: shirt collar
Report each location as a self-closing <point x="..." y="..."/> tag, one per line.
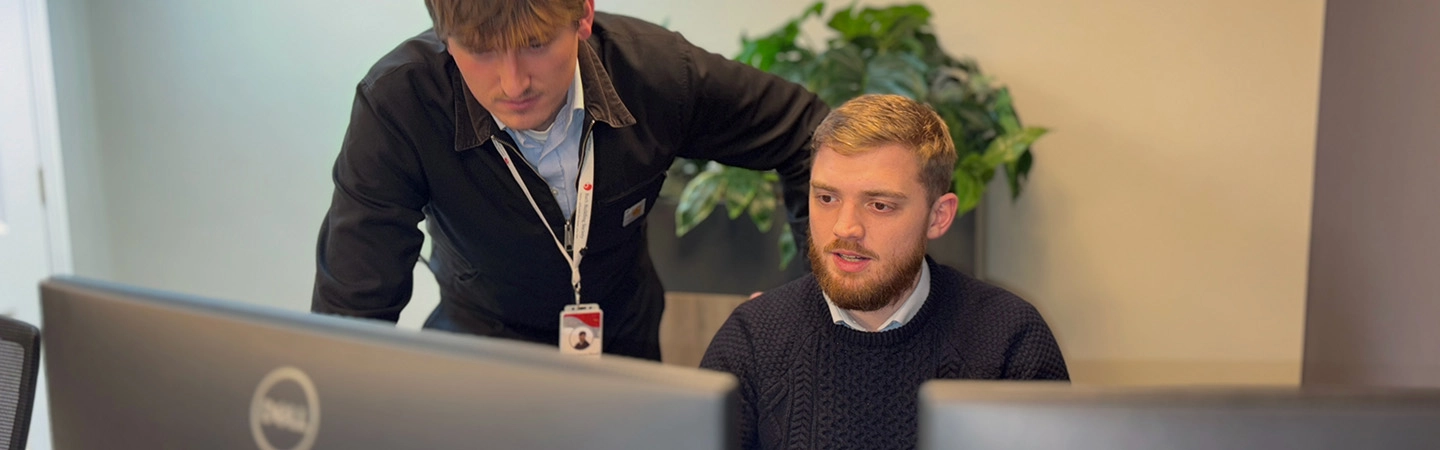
<point x="900" y="317"/>
<point x="473" y="125"/>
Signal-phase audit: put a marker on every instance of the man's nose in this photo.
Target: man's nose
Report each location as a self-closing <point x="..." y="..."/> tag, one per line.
<point x="514" y="79"/>
<point x="848" y="224"/>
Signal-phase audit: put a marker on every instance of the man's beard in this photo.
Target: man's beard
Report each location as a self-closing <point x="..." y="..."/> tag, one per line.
<point x="886" y="286"/>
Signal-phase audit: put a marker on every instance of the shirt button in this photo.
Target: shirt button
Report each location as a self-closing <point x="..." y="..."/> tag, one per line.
<point x="554" y="191"/>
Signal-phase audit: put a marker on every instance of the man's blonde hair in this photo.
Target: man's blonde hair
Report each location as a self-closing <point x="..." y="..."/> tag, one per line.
<point x="485" y="25"/>
<point x="875" y="120"/>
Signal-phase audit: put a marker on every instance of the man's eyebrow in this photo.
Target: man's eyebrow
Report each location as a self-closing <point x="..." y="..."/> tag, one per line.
<point x="897" y="195"/>
<point x="871" y="193"/>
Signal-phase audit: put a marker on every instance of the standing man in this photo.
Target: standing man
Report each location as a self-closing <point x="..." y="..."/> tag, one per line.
<point x="533" y="137"/>
<point x="835" y="359"/>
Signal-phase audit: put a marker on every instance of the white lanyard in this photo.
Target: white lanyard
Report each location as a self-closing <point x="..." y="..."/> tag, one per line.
<point x="584" y="197"/>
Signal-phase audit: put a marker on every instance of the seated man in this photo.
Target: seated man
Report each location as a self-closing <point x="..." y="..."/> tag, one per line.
<point x="836" y="359"/>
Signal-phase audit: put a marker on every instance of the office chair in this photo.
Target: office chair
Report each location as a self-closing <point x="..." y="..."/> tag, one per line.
<point x="19" y="364"/>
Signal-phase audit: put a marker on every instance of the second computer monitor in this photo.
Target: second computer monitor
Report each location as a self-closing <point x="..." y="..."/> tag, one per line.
<point x="1001" y="415"/>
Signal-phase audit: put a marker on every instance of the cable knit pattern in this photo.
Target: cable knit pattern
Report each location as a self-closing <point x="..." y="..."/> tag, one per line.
<point x="807" y="383"/>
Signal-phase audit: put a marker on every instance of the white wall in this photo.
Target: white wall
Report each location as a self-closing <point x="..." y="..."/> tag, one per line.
<point x="83" y="162"/>
<point x="217" y="126"/>
<point x="1163" y="235"/>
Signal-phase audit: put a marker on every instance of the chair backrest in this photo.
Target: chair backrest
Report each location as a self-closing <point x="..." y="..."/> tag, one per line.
<point x="690" y="321"/>
<point x="19" y="364"/>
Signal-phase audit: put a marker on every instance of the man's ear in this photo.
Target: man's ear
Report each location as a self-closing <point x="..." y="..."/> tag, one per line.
<point x="587" y="21"/>
<point x="942" y="214"/>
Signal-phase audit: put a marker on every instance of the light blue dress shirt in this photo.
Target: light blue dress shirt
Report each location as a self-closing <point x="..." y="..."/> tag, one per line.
<point x="555" y="152"/>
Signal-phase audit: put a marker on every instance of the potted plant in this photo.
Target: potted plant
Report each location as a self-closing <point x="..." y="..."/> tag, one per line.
<point x="890" y="50"/>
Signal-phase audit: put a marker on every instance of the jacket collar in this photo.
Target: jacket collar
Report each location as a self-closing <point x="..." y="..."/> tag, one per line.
<point x="473" y="124"/>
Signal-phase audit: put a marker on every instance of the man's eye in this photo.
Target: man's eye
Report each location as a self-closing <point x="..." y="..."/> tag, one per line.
<point x="882" y="207"/>
<point x="825" y="198"/>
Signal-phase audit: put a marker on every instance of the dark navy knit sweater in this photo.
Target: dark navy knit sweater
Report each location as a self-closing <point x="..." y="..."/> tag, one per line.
<point x="807" y="383"/>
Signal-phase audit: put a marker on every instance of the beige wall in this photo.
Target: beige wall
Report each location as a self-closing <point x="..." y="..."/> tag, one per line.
<point x="1164" y="234"/>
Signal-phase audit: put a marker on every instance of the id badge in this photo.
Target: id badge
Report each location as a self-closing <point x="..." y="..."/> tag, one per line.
<point x="581" y="330"/>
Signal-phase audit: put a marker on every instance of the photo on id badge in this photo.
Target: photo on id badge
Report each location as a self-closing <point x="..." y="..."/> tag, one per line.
<point x="580" y="330"/>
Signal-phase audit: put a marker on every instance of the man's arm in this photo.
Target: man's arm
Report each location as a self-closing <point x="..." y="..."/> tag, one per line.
<point x="743" y="117"/>
<point x="369" y="241"/>
<point x="1034" y="354"/>
<point x="731" y="350"/>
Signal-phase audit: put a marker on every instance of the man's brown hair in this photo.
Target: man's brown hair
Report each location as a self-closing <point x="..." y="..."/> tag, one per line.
<point x="875" y="120"/>
<point x="485" y="25"/>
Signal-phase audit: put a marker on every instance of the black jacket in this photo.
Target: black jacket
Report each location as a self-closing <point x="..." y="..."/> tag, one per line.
<point x="419" y="146"/>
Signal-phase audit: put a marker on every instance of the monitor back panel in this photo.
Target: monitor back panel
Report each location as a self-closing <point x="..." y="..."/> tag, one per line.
<point x="132" y="369"/>
<point x="978" y="415"/>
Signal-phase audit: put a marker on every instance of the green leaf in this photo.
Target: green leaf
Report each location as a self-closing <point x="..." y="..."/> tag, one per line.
<point x="897" y="24"/>
<point x="948" y="113"/>
<point x="762" y="210"/>
<point x="1016" y="173"/>
<point x="976" y="124"/>
<point x="741" y="186"/>
<point x="1007" y="149"/>
<point x="1005" y="111"/>
<point x="968" y="187"/>
<point x="896" y="73"/>
<point x="752" y="54"/>
<point x="848" y="23"/>
<point x="981" y="86"/>
<point x="795" y="66"/>
<point x="698" y="200"/>
<point x="948" y="86"/>
<point x="887" y="20"/>
<point x="787" y="246"/>
<point x="771" y="49"/>
<point x="929" y="49"/>
<point x="813" y="10"/>
<point x="972" y="163"/>
<point x="839" y="75"/>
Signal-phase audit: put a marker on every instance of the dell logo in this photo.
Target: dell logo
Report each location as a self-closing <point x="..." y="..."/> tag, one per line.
<point x="285" y="412"/>
<point x="286" y="416"/>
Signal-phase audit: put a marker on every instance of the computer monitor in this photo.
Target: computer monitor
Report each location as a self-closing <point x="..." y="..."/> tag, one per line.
<point x="132" y="368"/>
<point x="1017" y="415"/>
